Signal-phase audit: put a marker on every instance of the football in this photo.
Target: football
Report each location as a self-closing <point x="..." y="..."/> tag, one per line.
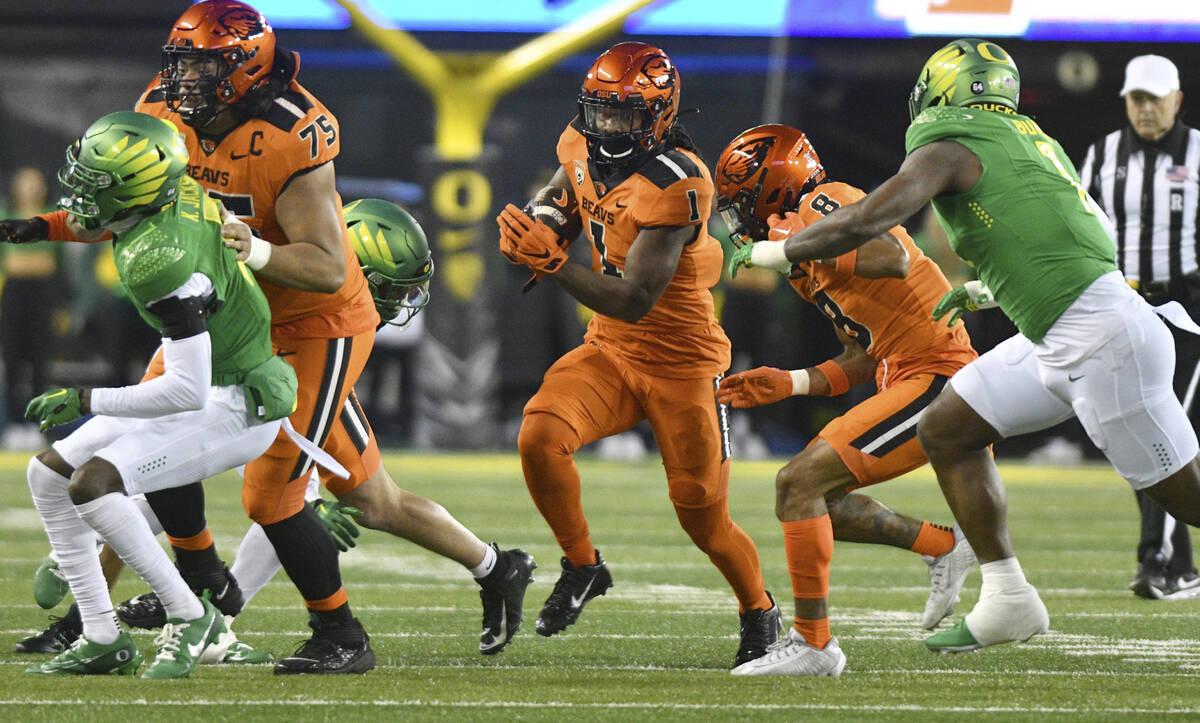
<point x="557" y="208"/>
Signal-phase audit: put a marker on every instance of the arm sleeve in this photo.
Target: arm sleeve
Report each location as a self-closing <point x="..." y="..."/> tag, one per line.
<point x="185" y="382"/>
<point x="56" y="221"/>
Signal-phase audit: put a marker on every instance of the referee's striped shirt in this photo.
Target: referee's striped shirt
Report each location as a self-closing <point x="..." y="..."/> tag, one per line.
<point x="1151" y="192"/>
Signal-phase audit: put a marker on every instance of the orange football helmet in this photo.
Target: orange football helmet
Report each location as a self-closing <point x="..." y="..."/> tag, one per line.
<point x="765" y="170"/>
<point x="217" y="52"/>
<point x="628" y="102"/>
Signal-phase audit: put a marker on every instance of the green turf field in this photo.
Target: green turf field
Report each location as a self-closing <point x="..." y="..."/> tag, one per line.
<point x="660" y="644"/>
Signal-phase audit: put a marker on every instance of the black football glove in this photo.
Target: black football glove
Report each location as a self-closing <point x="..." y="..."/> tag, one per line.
<point x="23" y="230"/>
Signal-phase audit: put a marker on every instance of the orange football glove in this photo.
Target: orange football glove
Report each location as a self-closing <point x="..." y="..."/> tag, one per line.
<point x="780" y="227"/>
<point x="754" y="388"/>
<point x="525" y="240"/>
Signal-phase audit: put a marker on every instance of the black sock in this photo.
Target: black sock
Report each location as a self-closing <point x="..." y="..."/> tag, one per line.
<point x="180" y="509"/>
<point x="340" y="615"/>
<point x="307" y="552"/>
<point x="198" y="562"/>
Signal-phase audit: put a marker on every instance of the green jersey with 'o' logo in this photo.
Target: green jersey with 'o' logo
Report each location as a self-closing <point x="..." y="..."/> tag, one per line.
<point x="1027" y="227"/>
<point x="161" y="253"/>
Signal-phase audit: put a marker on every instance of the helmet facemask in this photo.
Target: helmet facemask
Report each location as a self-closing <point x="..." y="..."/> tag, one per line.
<point x="617" y="131"/>
<point x="738" y="214"/>
<point x="81" y="187"/>
<point x="397" y="300"/>
<point x="201" y="98"/>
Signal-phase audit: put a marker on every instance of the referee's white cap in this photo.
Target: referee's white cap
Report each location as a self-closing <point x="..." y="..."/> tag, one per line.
<point x="1152" y="73"/>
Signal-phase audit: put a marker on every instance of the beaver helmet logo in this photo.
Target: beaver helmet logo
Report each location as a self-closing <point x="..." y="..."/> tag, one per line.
<point x="660" y="71"/>
<point x="241" y="23"/>
<point x="745" y="160"/>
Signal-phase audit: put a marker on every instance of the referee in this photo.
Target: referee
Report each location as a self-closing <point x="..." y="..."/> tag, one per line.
<point x="1146" y="177"/>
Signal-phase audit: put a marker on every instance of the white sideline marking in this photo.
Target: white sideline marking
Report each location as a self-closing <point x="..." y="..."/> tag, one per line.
<point x="419" y="703"/>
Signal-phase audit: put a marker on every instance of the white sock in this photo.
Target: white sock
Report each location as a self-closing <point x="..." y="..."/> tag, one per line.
<point x="143" y="506"/>
<point x="74" y="546"/>
<point x="1002" y="576"/>
<point x="489" y="563"/>
<point x="256" y="562"/>
<point x="116" y="517"/>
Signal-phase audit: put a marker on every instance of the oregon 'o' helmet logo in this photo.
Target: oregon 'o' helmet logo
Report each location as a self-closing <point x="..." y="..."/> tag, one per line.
<point x="241" y="23"/>
<point x="746" y="160"/>
<point x="659" y="71"/>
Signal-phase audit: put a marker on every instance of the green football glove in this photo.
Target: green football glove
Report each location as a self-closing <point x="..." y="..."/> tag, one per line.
<point x="767" y="254"/>
<point x="971" y="296"/>
<point x="740" y="258"/>
<point x="54" y="408"/>
<point x="336" y="517"/>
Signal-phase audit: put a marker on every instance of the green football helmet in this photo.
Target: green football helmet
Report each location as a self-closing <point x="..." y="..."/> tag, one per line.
<point x="395" y="257"/>
<point x="967" y="73"/>
<point x="124" y="165"/>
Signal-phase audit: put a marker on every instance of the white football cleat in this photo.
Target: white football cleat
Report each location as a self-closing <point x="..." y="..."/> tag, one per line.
<point x="794" y="656"/>
<point x="1000" y="617"/>
<point x="947" y="573"/>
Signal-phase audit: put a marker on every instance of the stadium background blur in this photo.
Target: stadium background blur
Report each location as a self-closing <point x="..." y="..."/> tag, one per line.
<point x="65" y="63"/>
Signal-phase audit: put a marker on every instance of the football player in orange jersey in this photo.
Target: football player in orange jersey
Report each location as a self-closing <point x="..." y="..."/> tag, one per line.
<point x="264" y="146"/>
<point x="879" y="299"/>
<point x="653" y="350"/>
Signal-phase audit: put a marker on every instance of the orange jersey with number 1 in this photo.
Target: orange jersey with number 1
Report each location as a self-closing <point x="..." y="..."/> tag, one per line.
<point x="247" y="170"/>
<point x="679" y="337"/>
<point x="892" y="319"/>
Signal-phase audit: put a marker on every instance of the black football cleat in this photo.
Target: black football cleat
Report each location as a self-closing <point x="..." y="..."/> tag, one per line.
<point x="1150" y="582"/>
<point x="574" y="588"/>
<point x="759" y="628"/>
<point x="142" y="611"/>
<point x="503" y="597"/>
<point x="333" y="648"/>
<point x="146" y="611"/>
<point x="56" y="638"/>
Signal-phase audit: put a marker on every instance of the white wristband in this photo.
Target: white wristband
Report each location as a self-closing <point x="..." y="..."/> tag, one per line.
<point x="769" y="254"/>
<point x="259" y="254"/>
<point x="799" y="382"/>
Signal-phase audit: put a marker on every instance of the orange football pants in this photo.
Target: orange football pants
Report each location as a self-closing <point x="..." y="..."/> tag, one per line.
<point x="589" y="394"/>
<point x="877" y="439"/>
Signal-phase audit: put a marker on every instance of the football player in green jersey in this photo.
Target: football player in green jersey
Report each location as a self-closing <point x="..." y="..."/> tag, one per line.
<point x="218" y="405"/>
<point x="1088" y="346"/>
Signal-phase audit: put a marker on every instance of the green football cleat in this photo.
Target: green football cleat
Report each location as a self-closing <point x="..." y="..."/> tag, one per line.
<point x="242" y="654"/>
<point x="49" y="585"/>
<point x="228" y="650"/>
<point x="120" y="657"/>
<point x="957" y="639"/>
<point x="182" y="642"/>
